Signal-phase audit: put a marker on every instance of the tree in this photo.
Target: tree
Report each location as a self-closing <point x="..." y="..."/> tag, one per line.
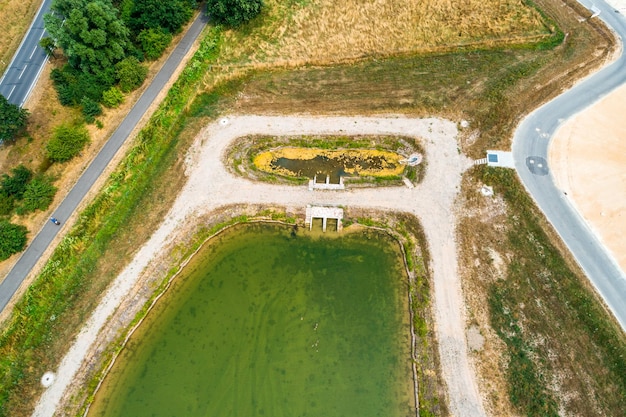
<point x="15" y="185"/>
<point x="66" y="142"/>
<point x="169" y="15"/>
<point x="153" y="42"/>
<point x="48" y="45"/>
<point x="130" y="74"/>
<point x="12" y="239"/>
<point x="233" y="12"/>
<point x="91" y="109"/>
<point x="12" y="119"/>
<point x="113" y="97"/>
<point x="38" y="195"/>
<point x="92" y="36"/>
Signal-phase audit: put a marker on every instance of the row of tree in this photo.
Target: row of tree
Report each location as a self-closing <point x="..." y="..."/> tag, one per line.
<point x="105" y="43"/>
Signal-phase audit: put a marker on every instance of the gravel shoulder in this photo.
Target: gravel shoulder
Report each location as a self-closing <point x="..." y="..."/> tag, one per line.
<point x="211" y="186"/>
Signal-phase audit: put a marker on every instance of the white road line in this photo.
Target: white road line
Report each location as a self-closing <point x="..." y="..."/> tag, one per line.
<point x="42" y="33"/>
<point x="9" y="96"/>
<point x="22" y="73"/>
<point x="33" y="53"/>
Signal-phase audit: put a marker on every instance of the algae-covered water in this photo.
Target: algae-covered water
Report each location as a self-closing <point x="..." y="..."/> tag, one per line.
<point x="269" y="322"/>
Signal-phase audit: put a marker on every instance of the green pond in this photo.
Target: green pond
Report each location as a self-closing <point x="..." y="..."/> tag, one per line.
<point x="270" y="321"/>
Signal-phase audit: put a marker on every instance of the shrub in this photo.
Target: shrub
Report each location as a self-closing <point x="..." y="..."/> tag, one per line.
<point x="72" y="85"/>
<point x="12" y="119"/>
<point x="66" y="142"/>
<point x="12" y="239"/>
<point x="7" y="203"/>
<point x="130" y="74"/>
<point x="233" y="12"/>
<point x="15" y="185"/>
<point x="153" y="42"/>
<point x="113" y="97"/>
<point x="38" y="195"/>
<point x="91" y="109"/>
<point x="169" y="15"/>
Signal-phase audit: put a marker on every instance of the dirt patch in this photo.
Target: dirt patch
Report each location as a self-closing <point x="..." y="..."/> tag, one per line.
<point x="475" y="340"/>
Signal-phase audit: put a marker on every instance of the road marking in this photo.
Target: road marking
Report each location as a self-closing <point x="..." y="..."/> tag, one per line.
<point x="9" y="96"/>
<point x="22" y="73"/>
<point x="33" y="53"/>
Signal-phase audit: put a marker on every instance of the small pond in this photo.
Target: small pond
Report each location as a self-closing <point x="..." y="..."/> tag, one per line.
<point x="267" y="321"/>
<point x="309" y="162"/>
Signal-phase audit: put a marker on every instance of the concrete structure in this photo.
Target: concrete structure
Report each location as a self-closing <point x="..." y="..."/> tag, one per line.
<point x="314" y="185"/>
<point x="325" y="213"/>
<point x="500" y="159"/>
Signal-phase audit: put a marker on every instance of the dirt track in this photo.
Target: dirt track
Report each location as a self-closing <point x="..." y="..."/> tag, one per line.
<point x="211" y="186"/>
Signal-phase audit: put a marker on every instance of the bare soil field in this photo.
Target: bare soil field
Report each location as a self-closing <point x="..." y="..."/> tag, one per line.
<point x="588" y="160"/>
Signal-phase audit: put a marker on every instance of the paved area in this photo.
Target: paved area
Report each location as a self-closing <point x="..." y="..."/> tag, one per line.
<point x="23" y="72"/>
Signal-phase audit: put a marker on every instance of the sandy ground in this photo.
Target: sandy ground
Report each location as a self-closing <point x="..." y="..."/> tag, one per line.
<point x="588" y="160"/>
<point x="211" y="186"/>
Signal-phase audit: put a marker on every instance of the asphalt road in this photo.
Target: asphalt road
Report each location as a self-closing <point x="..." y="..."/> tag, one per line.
<point x="530" y="152"/>
<point x="31" y="255"/>
<point x="27" y="63"/>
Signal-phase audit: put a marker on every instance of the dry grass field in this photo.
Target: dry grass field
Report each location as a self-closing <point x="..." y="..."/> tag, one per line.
<point x="16" y="18"/>
<point x="328" y="31"/>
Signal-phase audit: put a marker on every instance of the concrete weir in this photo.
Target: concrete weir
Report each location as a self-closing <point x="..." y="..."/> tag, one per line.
<point x="327" y="185"/>
<point x="325" y="213"/>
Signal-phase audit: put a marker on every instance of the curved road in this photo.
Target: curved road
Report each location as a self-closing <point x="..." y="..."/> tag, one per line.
<point x="530" y="152"/>
<point x="27" y="261"/>
<point x="27" y="63"/>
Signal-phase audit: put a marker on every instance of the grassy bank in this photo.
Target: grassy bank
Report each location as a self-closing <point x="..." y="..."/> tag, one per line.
<point x="564" y="353"/>
<point x="52" y="309"/>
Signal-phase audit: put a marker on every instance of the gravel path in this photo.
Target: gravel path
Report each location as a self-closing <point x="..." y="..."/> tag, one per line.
<point x="211" y="186"/>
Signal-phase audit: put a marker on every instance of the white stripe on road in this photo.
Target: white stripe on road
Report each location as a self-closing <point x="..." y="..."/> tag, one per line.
<point x="9" y="96"/>
<point x="22" y="73"/>
<point x="33" y="53"/>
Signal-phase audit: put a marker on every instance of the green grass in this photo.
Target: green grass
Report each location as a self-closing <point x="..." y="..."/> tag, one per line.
<point x="541" y="298"/>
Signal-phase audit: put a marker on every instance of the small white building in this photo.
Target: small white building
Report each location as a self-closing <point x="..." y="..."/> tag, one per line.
<point x="500" y="159"/>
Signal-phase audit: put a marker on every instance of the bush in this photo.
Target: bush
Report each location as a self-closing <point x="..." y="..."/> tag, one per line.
<point x="7" y="203"/>
<point x="12" y="239"/>
<point x="12" y="119"/>
<point x="66" y="142"/>
<point x="112" y="98"/>
<point x="153" y="42"/>
<point x="233" y="12"/>
<point x="72" y="85"/>
<point x="15" y="185"/>
<point x="91" y="109"/>
<point x="168" y="15"/>
<point x="130" y="74"/>
<point x="38" y="195"/>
